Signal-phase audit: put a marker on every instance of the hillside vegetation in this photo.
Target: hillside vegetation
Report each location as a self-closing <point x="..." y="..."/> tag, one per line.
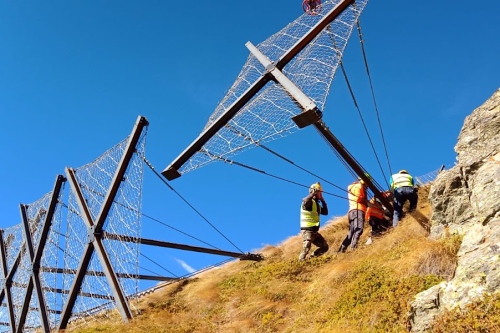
<point x="366" y="290"/>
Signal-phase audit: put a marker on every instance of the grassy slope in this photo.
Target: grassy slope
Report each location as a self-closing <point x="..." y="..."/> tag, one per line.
<point x="367" y="290"/>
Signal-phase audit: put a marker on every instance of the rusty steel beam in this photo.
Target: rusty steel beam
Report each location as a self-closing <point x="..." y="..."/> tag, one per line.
<point x="242" y="256"/>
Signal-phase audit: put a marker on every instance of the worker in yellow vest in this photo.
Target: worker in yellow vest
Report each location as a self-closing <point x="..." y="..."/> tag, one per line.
<point x="312" y="207"/>
<point x="356" y="214"/>
<point x="403" y="188"/>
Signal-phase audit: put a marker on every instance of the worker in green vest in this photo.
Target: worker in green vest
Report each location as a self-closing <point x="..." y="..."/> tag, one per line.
<point x="312" y="207"/>
<point x="404" y="189"/>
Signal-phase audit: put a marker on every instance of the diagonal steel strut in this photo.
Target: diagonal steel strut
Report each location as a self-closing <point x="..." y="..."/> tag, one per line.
<point x="35" y="256"/>
<point x="95" y="226"/>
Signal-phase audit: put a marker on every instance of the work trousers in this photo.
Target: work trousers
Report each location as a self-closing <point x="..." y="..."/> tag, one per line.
<point x="379" y="225"/>
<point x="356" y="224"/>
<point x="312" y="237"/>
<point x="401" y="195"/>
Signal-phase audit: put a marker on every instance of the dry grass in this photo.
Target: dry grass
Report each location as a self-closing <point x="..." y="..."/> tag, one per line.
<point x="367" y="290"/>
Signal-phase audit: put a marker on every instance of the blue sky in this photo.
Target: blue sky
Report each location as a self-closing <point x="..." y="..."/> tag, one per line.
<point x="75" y="75"/>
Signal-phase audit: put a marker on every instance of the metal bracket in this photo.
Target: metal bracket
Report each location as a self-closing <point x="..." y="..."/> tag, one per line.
<point x="307" y="118"/>
<point x="92" y="232"/>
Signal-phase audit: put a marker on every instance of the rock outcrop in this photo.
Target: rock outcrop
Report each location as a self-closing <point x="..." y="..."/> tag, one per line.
<point x="466" y="200"/>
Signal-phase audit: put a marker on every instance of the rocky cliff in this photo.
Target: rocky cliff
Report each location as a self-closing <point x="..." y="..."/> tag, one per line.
<point x="466" y="201"/>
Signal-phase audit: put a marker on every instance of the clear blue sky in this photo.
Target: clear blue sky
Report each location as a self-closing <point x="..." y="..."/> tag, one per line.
<point x="75" y="75"/>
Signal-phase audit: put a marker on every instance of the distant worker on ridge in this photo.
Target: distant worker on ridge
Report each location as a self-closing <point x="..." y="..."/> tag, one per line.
<point x="356" y="214"/>
<point x="403" y="188"/>
<point x="312" y="207"/>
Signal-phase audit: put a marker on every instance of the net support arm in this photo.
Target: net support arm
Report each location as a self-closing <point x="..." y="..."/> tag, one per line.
<point x="172" y="171"/>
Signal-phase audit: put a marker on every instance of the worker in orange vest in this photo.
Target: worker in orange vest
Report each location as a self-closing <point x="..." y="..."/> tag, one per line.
<point x="356" y="214"/>
<point x="375" y="215"/>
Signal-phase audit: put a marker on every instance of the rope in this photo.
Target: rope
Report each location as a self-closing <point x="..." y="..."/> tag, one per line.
<point x="341" y="63"/>
<point x="187" y="202"/>
<point x="301" y="168"/>
<point x="360" y="34"/>
<point x="143" y="214"/>
<point x="163" y="223"/>
<point x="157" y="264"/>
<point x="267" y="174"/>
<point x="258" y="144"/>
<point x="75" y="258"/>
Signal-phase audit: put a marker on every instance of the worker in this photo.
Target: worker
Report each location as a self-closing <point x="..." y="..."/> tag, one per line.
<point x="356" y="214"/>
<point x="312" y="207"/>
<point x="375" y="215"/>
<point x="404" y="189"/>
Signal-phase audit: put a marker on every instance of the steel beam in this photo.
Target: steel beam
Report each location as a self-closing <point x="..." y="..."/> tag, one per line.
<point x="35" y="258"/>
<point x="328" y="135"/>
<point x="172" y="171"/>
<point x="242" y="256"/>
<point x="6" y="287"/>
<point x="120" y="275"/>
<point x="96" y="225"/>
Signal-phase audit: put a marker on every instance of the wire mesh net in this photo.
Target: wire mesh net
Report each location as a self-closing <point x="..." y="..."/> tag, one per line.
<point x="19" y="264"/>
<point x="65" y="243"/>
<point x="123" y="219"/>
<point x="267" y="116"/>
<point x="429" y="177"/>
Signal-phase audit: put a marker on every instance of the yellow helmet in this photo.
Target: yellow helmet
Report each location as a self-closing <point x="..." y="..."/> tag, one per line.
<point x="403" y="171"/>
<point x="315" y="187"/>
<point x="367" y="176"/>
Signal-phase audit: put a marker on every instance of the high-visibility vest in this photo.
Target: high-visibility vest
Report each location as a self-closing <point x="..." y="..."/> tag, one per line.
<point x="401" y="179"/>
<point x="376" y="210"/>
<point x="356" y="197"/>
<point x="310" y="219"/>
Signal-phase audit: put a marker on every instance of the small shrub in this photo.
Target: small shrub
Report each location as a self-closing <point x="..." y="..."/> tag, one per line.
<point x="452" y="243"/>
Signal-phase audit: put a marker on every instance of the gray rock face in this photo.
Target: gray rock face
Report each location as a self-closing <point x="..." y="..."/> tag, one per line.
<point x="466" y="200"/>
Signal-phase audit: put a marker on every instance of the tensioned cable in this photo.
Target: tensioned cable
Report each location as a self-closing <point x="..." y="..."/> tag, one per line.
<point x="258" y="144"/>
<point x="157" y="264"/>
<point x="264" y="172"/>
<point x="137" y="211"/>
<point x="341" y="63"/>
<point x="182" y="232"/>
<point x="274" y="176"/>
<point x="187" y="202"/>
<point x="75" y="258"/>
<point x="66" y="206"/>
<point x="372" y="90"/>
